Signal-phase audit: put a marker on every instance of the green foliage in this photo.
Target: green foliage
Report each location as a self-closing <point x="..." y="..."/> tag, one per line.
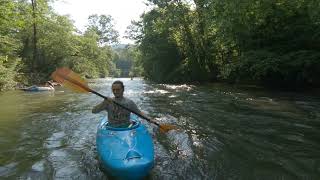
<point x="136" y="68"/>
<point x="161" y="59"/>
<point x="34" y="41"/>
<point x="90" y="59"/>
<point x="268" y="42"/>
<point x="280" y="45"/>
<point x="158" y="53"/>
<point x="7" y="72"/>
<point x="127" y="61"/>
<point x="10" y="25"/>
<point x="123" y="61"/>
<point x="272" y="42"/>
<point x="103" y="26"/>
<point x="247" y="68"/>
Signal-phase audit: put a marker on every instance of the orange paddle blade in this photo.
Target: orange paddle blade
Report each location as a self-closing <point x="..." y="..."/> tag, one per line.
<point x="166" y="127"/>
<point x="71" y="80"/>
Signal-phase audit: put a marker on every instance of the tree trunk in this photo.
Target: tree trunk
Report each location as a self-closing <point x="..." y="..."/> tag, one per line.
<point x="35" y="49"/>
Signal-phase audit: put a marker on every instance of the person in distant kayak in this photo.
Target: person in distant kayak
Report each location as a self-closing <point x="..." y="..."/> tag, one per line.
<point x="117" y="116"/>
<point x="49" y="84"/>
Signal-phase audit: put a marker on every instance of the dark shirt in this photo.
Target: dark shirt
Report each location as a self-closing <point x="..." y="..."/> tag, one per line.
<point x="117" y="115"/>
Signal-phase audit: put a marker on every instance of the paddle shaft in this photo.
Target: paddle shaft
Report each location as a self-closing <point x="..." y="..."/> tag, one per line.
<point x="98" y="94"/>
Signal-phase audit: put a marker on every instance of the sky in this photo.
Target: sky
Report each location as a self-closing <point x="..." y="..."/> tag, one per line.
<point x="122" y="12"/>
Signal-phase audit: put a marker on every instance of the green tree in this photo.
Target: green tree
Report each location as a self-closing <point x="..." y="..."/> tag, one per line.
<point x="11" y="24"/>
<point x="103" y="26"/>
<point x="268" y="42"/>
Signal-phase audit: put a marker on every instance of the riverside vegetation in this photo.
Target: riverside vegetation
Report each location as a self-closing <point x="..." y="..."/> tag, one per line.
<point x="273" y="43"/>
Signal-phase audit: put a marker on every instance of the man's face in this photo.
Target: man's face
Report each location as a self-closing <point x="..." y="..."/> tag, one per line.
<point x="117" y="90"/>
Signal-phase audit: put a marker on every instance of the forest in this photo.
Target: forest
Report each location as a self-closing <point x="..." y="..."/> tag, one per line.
<point x="271" y="43"/>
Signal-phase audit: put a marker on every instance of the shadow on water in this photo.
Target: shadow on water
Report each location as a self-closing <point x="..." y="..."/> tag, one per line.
<point x="224" y="132"/>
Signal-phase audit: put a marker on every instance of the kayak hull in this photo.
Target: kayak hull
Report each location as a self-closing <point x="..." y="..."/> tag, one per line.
<point x="125" y="153"/>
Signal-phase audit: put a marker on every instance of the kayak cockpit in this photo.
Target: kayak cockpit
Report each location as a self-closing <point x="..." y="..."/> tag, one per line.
<point x="134" y="124"/>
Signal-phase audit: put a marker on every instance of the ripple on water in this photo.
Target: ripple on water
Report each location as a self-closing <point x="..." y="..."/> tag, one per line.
<point x="63" y="164"/>
<point x="55" y="140"/>
<point x="39" y="170"/>
<point x="226" y="133"/>
<point x="174" y="154"/>
<point x="8" y="169"/>
<point x="182" y="142"/>
<point x="164" y="165"/>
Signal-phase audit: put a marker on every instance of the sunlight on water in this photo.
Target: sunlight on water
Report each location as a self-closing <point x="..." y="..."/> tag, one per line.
<point x="179" y="87"/>
<point x="156" y="92"/>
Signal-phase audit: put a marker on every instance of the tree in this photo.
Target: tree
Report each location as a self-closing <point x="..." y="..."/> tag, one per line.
<point x="266" y="42"/>
<point x="103" y="26"/>
<point x="10" y="25"/>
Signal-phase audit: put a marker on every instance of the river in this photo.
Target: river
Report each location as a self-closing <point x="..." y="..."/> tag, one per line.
<point x="225" y="132"/>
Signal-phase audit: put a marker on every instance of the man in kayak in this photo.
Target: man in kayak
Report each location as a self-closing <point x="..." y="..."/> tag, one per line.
<point x="117" y="116"/>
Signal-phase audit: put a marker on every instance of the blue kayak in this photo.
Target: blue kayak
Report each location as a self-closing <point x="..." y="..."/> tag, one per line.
<point x="125" y="153"/>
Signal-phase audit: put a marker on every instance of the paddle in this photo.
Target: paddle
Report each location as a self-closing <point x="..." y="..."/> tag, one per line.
<point x="73" y="81"/>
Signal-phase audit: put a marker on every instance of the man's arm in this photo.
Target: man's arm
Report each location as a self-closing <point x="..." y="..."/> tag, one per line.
<point x="136" y="109"/>
<point x="102" y="106"/>
<point x="151" y="119"/>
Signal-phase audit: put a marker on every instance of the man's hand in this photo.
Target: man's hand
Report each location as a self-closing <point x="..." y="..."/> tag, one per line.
<point x="108" y="100"/>
<point x="153" y="121"/>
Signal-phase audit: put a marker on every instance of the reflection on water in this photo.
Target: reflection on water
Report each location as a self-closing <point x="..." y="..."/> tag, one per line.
<point x="224" y="132"/>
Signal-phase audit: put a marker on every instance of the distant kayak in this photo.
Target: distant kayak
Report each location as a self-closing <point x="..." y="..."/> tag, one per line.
<point x="125" y="153"/>
<point x="38" y="88"/>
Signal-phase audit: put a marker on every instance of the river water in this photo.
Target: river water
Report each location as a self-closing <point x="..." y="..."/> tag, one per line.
<point x="225" y="132"/>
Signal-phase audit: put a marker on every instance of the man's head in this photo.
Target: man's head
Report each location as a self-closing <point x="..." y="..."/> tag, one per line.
<point x="117" y="89"/>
